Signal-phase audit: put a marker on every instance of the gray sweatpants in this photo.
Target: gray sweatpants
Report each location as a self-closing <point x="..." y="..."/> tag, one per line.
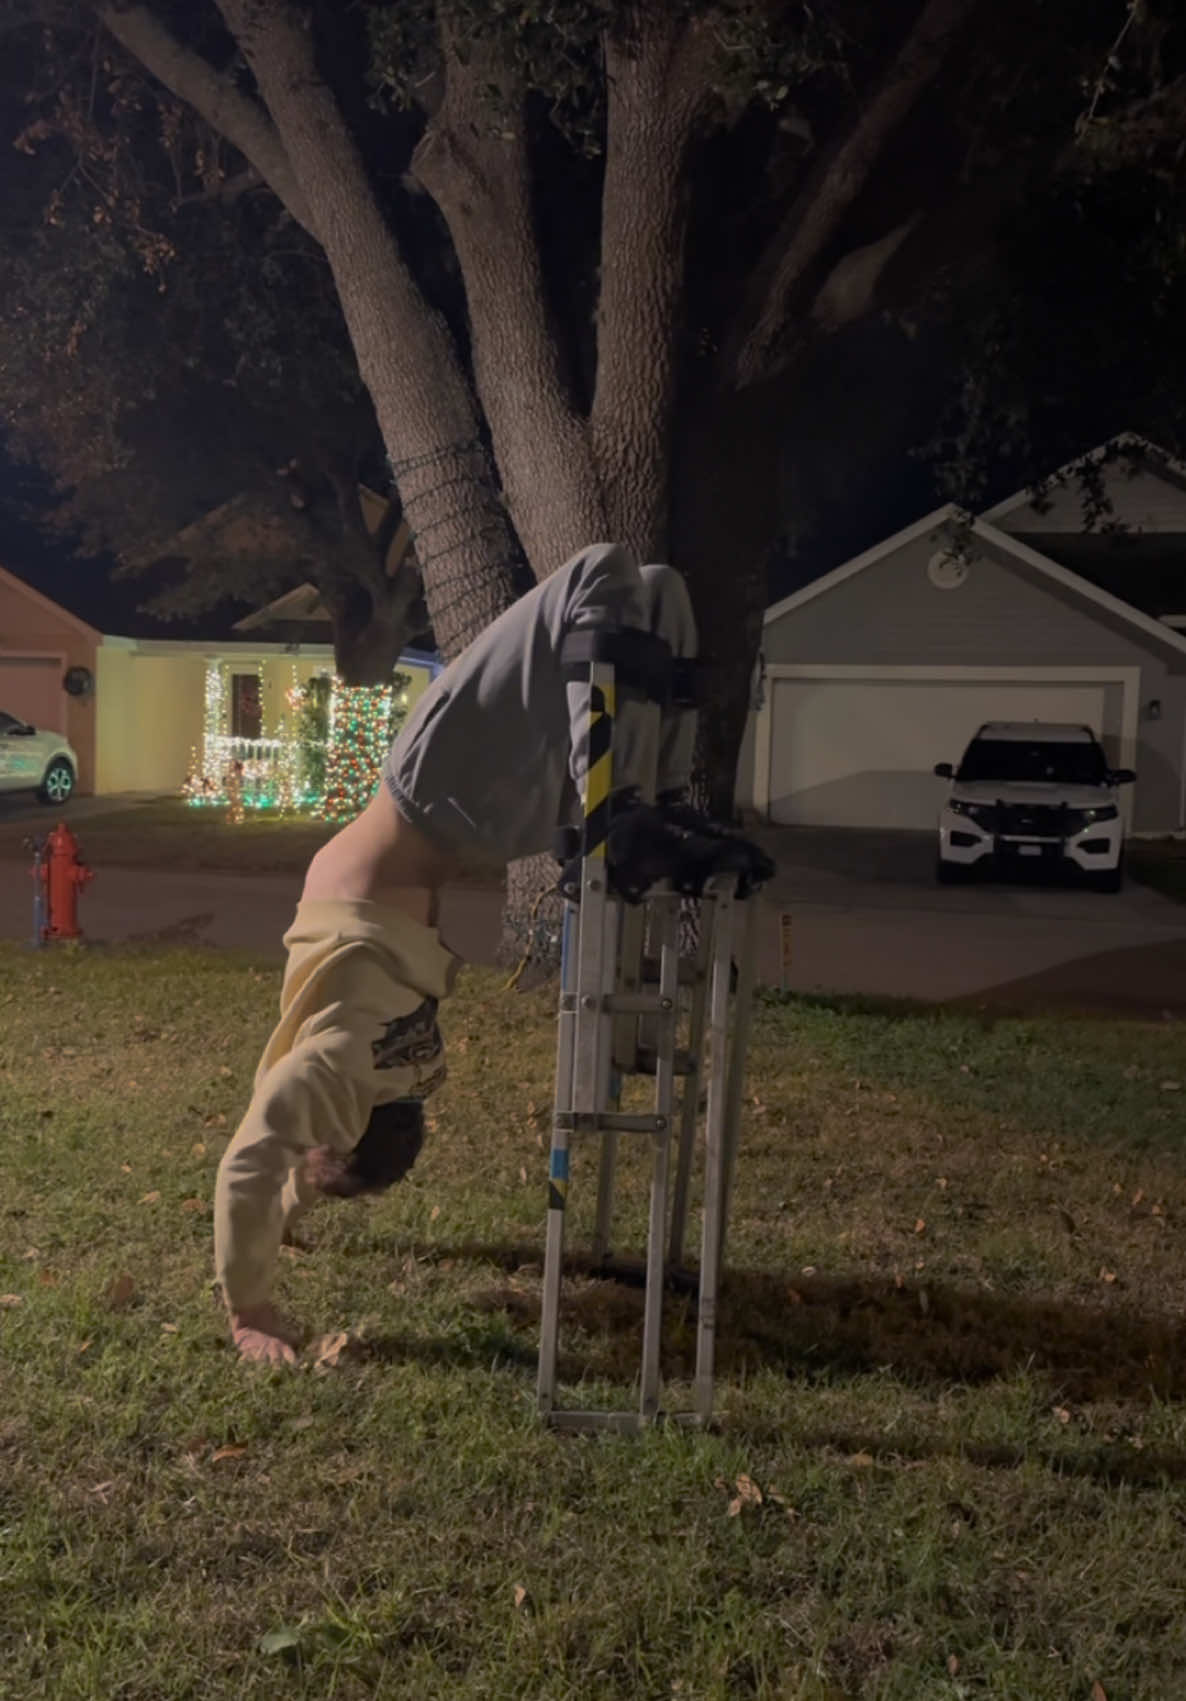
<point x="492" y="758"/>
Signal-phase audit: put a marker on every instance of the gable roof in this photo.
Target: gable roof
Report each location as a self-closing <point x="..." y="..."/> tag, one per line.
<point x="1153" y="460"/>
<point x="931" y="522"/>
<point x="47" y="604"/>
<point x="1003" y="542"/>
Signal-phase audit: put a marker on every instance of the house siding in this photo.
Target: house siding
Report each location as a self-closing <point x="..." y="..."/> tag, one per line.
<point x="1142" y="502"/>
<point x="1002" y="615"/>
<point x="31" y="626"/>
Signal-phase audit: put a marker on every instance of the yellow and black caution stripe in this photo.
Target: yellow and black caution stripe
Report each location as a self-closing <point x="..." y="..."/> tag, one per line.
<point x="599" y="779"/>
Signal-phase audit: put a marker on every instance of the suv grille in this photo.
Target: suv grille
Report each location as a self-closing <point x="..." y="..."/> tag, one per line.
<point x="1044" y="820"/>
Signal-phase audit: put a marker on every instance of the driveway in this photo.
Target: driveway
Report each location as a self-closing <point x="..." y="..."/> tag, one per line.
<point x="868" y="918"/>
<point x="865" y="918"/>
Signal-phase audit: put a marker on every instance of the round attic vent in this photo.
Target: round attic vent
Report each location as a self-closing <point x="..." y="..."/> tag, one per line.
<point x="946" y="571"/>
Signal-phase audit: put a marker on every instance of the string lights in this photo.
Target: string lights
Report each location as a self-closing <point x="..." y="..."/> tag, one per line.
<point x="359" y="719"/>
<point x="325" y="756"/>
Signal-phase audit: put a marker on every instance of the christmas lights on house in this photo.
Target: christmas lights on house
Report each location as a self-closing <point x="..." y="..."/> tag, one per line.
<point x="326" y="754"/>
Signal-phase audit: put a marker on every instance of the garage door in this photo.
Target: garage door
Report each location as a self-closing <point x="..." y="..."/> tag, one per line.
<point x="31" y="689"/>
<point x="860" y="753"/>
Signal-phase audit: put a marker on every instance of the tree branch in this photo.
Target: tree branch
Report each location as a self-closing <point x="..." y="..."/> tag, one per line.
<point x="228" y="190"/>
<point x="657" y="93"/>
<point x="214" y="96"/>
<point x="406" y="355"/>
<point x="815" y="215"/>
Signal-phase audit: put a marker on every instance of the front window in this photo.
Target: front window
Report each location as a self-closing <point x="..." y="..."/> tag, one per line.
<point x="246" y="707"/>
<point x="1009" y="761"/>
<point x="7" y="722"/>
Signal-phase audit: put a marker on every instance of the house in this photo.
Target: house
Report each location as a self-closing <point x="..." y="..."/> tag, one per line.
<point x="888" y="664"/>
<point x="41" y="644"/>
<point x="139" y="709"/>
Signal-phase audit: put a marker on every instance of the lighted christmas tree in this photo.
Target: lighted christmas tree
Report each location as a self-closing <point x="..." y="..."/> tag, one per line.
<point x="359" y="719"/>
<point x="363" y="720"/>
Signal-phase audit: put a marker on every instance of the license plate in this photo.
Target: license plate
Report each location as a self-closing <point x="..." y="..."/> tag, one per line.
<point x="1029" y="850"/>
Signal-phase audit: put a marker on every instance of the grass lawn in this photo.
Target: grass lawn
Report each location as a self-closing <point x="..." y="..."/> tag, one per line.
<point x="169" y="833"/>
<point x="952" y="1453"/>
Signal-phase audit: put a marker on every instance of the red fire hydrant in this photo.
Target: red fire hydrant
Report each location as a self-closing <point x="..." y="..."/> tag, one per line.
<point x="64" y="875"/>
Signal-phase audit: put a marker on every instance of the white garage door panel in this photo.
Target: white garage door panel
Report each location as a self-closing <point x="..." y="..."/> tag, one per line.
<point x="860" y="753"/>
<point x="31" y="689"/>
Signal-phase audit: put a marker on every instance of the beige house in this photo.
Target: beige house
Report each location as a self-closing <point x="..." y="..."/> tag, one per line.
<point x="138" y="710"/>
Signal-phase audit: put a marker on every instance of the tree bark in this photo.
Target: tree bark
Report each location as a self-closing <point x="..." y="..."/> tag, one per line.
<point x="423" y="403"/>
<point x="656" y="94"/>
<point x="726" y="517"/>
<point x="814" y="217"/>
<point x="473" y="160"/>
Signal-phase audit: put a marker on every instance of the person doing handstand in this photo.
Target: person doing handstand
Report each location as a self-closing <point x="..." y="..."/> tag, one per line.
<point x="487" y="767"/>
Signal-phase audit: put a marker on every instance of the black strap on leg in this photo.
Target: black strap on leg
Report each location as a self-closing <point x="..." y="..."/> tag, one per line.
<point x="640" y="660"/>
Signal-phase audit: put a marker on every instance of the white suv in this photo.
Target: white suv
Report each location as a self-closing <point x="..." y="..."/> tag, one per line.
<point x="33" y="760"/>
<point x="1034" y="794"/>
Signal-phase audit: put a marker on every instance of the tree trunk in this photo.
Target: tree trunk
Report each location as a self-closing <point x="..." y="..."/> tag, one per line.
<point x="726" y="517"/>
<point x="370" y="631"/>
<point x="656" y="90"/>
<point x="423" y="403"/>
<point x="473" y="161"/>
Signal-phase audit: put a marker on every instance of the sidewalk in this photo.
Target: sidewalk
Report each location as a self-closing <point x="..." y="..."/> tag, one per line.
<point x="1006" y="950"/>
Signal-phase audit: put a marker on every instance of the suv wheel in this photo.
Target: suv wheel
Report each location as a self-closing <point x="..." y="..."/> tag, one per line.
<point x="1112" y="879"/>
<point x="57" y="784"/>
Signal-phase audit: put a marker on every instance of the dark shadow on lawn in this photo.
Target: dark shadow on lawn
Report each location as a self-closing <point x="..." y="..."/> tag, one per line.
<point x="820" y="1326"/>
<point x="1057" y="994"/>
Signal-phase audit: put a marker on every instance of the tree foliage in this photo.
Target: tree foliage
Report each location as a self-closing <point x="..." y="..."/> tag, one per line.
<point x="1074" y="333"/>
<point x="564" y="261"/>
<point x="171" y="344"/>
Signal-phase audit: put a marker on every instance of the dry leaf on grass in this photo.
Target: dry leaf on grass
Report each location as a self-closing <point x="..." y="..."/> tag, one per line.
<point x="1098" y="1692"/>
<point x="862" y="1461"/>
<point x="151" y="1198"/>
<point x="434" y="1213"/>
<point x="953" y="1665"/>
<point x="328" y="1350"/>
<point x="8" y="1300"/>
<point x="83" y="1347"/>
<point x="121" y="1291"/>
<point x="168" y="1328"/>
<point x="520" y="1594"/>
<point x="193" y="1204"/>
<point x="230" y="1451"/>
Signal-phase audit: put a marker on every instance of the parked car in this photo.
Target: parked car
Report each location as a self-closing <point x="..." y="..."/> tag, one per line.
<point x="1034" y="794"/>
<point x="32" y="759"/>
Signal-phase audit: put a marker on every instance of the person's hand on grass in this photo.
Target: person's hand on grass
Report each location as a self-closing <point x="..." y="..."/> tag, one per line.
<point x="263" y="1336"/>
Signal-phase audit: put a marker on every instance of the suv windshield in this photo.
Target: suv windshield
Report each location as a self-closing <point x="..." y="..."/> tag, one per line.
<point x="1005" y="761"/>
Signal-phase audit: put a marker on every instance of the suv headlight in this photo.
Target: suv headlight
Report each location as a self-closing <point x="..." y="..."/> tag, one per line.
<point x="1104" y="812"/>
<point x="974" y="811"/>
